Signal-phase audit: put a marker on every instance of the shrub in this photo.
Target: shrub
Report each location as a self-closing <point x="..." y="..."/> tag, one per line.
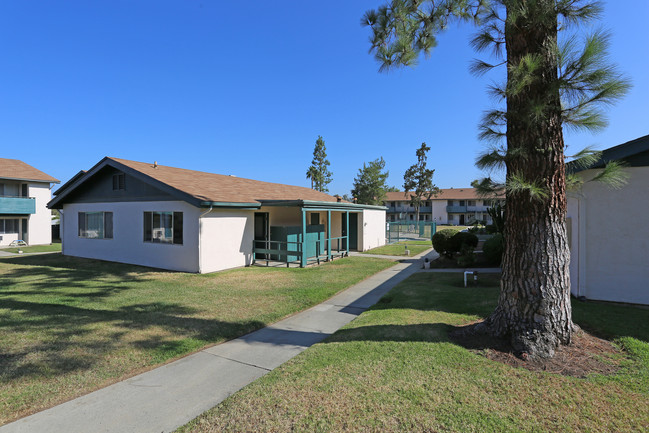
<point x="460" y="239"/>
<point x="467" y="257"/>
<point x="491" y="229"/>
<point x="441" y="242"/>
<point x="493" y="249"/>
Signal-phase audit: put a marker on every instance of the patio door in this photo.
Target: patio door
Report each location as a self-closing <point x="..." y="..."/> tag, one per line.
<point x="353" y="231"/>
<point x="25" y="234"/>
<point x="262" y="231"/>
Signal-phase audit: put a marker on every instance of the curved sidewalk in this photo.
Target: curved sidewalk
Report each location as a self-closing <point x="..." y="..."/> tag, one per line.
<point x="169" y="396"/>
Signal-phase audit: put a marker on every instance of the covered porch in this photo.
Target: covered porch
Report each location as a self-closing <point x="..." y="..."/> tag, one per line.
<point x="301" y="233"/>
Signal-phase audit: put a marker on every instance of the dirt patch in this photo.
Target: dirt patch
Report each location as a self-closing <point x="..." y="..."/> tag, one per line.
<point x="586" y="354"/>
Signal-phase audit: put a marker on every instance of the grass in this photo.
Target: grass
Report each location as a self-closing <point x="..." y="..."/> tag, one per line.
<point x="72" y="325"/>
<point x="398" y="249"/>
<point x="394" y="368"/>
<point x="56" y="247"/>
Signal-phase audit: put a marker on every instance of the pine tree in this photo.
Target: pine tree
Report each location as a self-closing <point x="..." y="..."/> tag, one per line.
<point x="547" y="87"/>
<point x="370" y="183"/>
<point x="418" y="181"/>
<point x="318" y="173"/>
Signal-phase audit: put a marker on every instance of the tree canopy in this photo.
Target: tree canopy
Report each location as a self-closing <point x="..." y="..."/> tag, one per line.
<point x="318" y="172"/>
<point x="418" y="180"/>
<point x="370" y="183"/>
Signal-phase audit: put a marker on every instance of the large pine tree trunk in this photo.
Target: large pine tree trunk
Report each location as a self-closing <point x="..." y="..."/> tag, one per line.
<point x="534" y="305"/>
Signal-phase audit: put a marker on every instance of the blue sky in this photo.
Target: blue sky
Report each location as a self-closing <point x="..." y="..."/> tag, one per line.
<point x="245" y="88"/>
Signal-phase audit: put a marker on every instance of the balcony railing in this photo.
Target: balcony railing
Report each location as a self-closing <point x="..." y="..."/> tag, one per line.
<point x="17" y="205"/>
<point x="456" y="209"/>
<point x="409" y="209"/>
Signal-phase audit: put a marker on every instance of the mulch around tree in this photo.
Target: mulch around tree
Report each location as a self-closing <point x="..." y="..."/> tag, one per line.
<point x="586" y="354"/>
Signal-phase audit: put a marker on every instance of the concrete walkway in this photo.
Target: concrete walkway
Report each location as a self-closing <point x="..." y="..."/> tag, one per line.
<point x="167" y="397"/>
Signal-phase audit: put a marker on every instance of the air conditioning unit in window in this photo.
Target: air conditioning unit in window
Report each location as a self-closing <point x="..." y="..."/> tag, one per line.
<point x="158" y="233"/>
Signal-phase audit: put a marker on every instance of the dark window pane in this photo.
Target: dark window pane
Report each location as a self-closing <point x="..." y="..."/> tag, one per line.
<point x="122" y="181"/>
<point x="178" y="228"/>
<point x="147" y="226"/>
<point x="25" y="190"/>
<point x="82" y="224"/>
<point x="108" y="225"/>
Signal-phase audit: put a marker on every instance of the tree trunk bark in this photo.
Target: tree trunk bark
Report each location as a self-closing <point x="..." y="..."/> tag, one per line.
<point x="534" y="306"/>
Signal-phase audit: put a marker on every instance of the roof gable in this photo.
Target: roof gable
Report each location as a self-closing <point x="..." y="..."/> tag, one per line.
<point x="195" y="187"/>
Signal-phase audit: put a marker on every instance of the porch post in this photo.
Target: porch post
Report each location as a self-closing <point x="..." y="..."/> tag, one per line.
<point x="303" y="256"/>
<point x="347" y="232"/>
<point x="328" y="235"/>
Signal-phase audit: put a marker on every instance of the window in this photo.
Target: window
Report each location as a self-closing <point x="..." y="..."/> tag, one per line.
<point x="449" y="202"/>
<point x="393" y="204"/>
<point x="96" y="225"/>
<point x="119" y="182"/>
<point x="9" y="226"/>
<point x="25" y="190"/>
<point x="163" y="227"/>
<point x="461" y="202"/>
<point x="315" y="219"/>
<point x="450" y="217"/>
<point x="471" y="203"/>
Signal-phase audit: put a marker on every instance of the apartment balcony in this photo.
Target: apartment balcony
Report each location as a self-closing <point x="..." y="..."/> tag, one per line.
<point x="456" y="209"/>
<point x="409" y="209"/>
<point x="477" y="208"/>
<point x="17" y="205"/>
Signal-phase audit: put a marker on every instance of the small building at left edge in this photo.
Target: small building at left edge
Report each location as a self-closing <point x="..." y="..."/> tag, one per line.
<point x="173" y="218"/>
<point x="24" y="193"/>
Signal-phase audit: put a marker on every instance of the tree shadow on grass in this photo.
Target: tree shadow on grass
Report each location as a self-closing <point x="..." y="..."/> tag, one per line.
<point x="42" y="298"/>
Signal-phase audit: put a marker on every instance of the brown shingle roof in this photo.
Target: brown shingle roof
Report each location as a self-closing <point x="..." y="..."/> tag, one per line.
<point x="16" y="169"/>
<point x="222" y="188"/>
<point x="444" y="194"/>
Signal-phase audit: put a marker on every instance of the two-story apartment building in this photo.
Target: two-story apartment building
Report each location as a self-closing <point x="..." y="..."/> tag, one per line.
<point x="455" y="206"/>
<point x="24" y="193"/>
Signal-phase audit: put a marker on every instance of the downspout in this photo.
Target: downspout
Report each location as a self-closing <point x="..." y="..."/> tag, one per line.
<point x="200" y="236"/>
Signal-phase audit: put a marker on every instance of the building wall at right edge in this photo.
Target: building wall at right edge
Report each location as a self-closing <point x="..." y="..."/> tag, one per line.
<point x="609" y="232"/>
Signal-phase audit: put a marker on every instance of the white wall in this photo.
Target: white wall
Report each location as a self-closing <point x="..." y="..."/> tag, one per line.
<point x="439" y="211"/>
<point x="372" y="227"/>
<point x="39" y="229"/>
<point x="127" y="245"/>
<point x="610" y="239"/>
<point x="226" y="239"/>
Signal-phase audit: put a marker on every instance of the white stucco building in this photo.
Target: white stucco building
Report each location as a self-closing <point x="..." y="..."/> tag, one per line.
<point x="609" y="230"/>
<point x="185" y="220"/>
<point x="24" y="193"/>
<point x="454" y="206"/>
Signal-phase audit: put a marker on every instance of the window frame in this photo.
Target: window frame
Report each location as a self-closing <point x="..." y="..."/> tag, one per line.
<point x="107" y="221"/>
<point x="176" y="227"/>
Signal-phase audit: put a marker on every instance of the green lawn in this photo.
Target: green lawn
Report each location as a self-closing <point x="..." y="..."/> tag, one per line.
<point x="394" y="368"/>
<point x="71" y="325"/>
<point x="398" y="249"/>
<point x="56" y="247"/>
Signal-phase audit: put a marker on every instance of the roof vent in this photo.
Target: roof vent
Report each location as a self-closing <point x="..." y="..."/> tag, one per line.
<point x="231" y="175"/>
<point x="155" y="164"/>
